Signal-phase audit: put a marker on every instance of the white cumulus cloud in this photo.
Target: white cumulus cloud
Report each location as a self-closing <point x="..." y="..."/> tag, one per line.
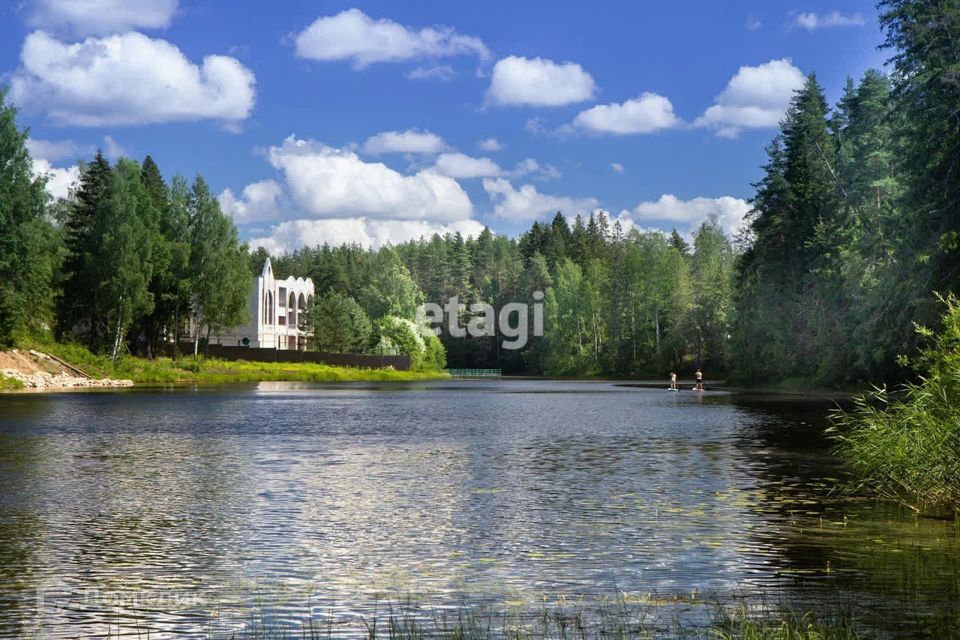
<point x="100" y="17"/>
<point x="354" y="36"/>
<point x="325" y="182"/>
<point x="459" y="165"/>
<point x="538" y="82"/>
<point x="128" y="79"/>
<point x="526" y="203"/>
<point x="259" y="201"/>
<point x="293" y="234"/>
<point x="59" y="179"/>
<point x="755" y="98"/>
<point x="489" y="145"/>
<point x="646" y="114"/>
<point x="689" y="214"/>
<point x="409" y="141"/>
<point x="811" y="21"/>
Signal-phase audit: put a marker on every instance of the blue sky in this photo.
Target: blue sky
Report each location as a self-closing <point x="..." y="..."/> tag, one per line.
<point x="375" y="121"/>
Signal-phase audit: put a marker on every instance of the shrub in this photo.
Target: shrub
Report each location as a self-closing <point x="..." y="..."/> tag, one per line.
<point x="908" y="449"/>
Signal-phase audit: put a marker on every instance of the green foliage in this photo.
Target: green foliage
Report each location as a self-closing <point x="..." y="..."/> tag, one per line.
<point x="28" y="243"/>
<point x="123" y="260"/>
<point x="426" y="351"/>
<point x="390" y="290"/>
<point x="434" y="354"/>
<point x="218" y="267"/>
<point x="10" y="384"/>
<point x="77" y="313"/>
<point x="712" y="305"/>
<point x="744" y="624"/>
<point x="908" y="448"/>
<point x="565" y="323"/>
<point x="200" y="370"/>
<point x="338" y="323"/>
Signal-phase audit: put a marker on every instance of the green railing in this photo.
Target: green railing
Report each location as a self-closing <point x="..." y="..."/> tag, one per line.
<point x="474" y="373"/>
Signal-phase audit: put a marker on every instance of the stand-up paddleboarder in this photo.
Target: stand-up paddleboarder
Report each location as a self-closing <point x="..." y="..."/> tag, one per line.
<point x="699" y="377"/>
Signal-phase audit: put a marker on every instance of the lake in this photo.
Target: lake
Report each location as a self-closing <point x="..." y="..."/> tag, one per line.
<point x="161" y="510"/>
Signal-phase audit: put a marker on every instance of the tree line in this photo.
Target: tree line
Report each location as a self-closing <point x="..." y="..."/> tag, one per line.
<point x="123" y="263"/>
<point x="853" y="232"/>
<point x="855" y="226"/>
<point x="615" y="303"/>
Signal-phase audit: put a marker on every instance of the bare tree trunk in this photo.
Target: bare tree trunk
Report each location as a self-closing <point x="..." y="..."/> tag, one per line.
<point x="196" y="337"/>
<point x="118" y="333"/>
<point x="658" y="331"/>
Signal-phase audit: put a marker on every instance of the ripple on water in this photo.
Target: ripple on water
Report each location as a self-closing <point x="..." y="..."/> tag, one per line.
<point x="158" y="510"/>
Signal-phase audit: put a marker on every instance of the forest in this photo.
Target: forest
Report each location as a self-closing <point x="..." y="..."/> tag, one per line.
<point x="853" y="237"/>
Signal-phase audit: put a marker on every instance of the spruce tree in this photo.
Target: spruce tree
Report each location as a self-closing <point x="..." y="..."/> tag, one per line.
<point x="76" y="311"/>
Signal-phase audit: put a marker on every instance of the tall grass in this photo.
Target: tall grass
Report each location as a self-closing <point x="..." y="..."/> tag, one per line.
<point x="908" y="448"/>
<point x="557" y="624"/>
<point x="612" y="621"/>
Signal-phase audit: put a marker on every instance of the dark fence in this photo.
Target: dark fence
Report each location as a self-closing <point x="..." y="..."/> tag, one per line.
<point x="255" y="354"/>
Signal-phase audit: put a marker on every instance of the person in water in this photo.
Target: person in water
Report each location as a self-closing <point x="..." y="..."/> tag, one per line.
<point x="699" y="376"/>
<point x="673" y="380"/>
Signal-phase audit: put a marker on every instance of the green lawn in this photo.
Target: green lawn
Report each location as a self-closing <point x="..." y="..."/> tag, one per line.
<point x="210" y="371"/>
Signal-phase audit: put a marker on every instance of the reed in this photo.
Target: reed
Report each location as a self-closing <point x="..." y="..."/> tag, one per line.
<point x="908" y="448"/>
<point x="405" y="619"/>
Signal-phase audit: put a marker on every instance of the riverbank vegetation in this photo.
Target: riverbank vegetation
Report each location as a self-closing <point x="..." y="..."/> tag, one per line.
<point x="190" y="369"/>
<point x="908" y="448"/>
<point x="10" y="384"/>
<point x="404" y="620"/>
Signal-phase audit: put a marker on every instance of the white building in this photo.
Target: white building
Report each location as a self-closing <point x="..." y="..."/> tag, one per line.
<point x="275" y="307"/>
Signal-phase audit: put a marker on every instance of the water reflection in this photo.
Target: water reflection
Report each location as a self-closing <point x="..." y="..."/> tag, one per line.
<point x="147" y="510"/>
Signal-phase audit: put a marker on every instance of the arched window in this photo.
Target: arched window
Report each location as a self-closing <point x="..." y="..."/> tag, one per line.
<point x="292" y="310"/>
<point x="270" y="312"/>
<point x="302" y="303"/>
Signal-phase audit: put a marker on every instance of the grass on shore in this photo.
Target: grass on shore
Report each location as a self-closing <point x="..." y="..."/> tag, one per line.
<point x="908" y="449"/>
<point x="407" y="621"/>
<point x="200" y="370"/>
<point x="10" y="384"/>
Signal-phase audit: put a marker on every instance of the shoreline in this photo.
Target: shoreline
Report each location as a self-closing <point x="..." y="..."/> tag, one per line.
<point x="56" y="368"/>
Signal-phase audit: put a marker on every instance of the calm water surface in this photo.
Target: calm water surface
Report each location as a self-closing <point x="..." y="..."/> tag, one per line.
<point x="123" y="512"/>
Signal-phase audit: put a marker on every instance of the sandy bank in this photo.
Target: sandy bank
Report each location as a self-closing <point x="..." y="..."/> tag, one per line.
<point x="38" y="370"/>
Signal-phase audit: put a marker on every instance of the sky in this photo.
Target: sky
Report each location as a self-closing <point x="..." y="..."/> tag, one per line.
<point x="375" y="122"/>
